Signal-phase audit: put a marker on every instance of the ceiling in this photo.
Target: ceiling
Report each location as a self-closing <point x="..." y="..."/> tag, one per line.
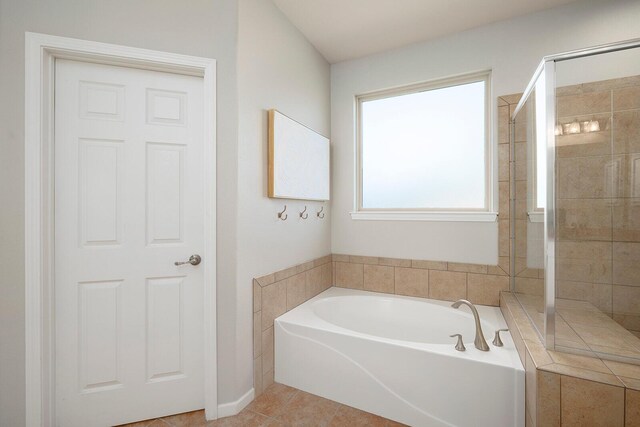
<point x="346" y="29"/>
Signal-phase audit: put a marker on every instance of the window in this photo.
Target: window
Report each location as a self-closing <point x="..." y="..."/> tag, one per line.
<point x="423" y="152"/>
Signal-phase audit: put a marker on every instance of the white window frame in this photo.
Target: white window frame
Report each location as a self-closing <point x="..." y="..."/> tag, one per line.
<point x="486" y="214"/>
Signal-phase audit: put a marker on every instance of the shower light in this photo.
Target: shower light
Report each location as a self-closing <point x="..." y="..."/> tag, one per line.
<point x="593" y="126"/>
<point x="572" y="128"/>
<point x="558" y="130"/>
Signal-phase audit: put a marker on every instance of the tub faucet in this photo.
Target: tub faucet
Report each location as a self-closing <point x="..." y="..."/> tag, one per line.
<point x="480" y="342"/>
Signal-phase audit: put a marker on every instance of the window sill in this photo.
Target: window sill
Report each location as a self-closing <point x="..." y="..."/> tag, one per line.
<point x="425" y="216"/>
<point x="536" y="216"/>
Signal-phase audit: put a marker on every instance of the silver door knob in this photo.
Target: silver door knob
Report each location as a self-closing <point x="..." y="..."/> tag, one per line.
<point x="193" y="260"/>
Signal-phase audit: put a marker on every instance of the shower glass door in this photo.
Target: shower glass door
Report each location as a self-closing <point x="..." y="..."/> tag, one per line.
<point x="576" y="199"/>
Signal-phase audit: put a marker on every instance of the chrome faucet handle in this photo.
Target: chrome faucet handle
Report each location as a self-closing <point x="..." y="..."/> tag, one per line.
<point x="496" y="340"/>
<point x="459" y="345"/>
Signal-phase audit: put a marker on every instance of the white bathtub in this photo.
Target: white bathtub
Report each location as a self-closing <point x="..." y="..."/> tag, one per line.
<point x="392" y="356"/>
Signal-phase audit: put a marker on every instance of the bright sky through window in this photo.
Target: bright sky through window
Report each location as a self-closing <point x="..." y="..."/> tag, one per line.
<point x="425" y="150"/>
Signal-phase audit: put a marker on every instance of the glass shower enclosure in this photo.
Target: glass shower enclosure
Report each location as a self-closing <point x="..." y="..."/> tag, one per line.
<point x="576" y="198"/>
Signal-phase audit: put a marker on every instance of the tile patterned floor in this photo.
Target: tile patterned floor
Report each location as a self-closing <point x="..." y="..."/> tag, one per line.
<point x="280" y="406"/>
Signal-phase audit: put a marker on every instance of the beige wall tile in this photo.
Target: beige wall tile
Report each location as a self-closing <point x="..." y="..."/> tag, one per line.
<point x="297" y="292"/>
<point x="536" y="350"/>
<point x="626" y="131"/>
<point x="412" y="282"/>
<point x="548" y="398"/>
<point x="395" y="262"/>
<point x="520" y="128"/>
<point x="529" y="286"/>
<point x="349" y="275"/>
<point x="467" y="268"/>
<point x="257" y="376"/>
<point x="632" y="408"/>
<point x="267" y="279"/>
<point x="503" y="237"/>
<point x="626" y="98"/>
<point x="301" y="268"/>
<point x="584" y="261"/>
<point x="530" y="389"/>
<point x="257" y="296"/>
<point x="631" y="383"/>
<point x="584" y="219"/>
<point x="333" y="274"/>
<point x="589" y="103"/>
<point x="315" y="283"/>
<point x="598" y="294"/>
<point x="585" y="374"/>
<point x="267" y="380"/>
<point x="257" y="334"/>
<point x="578" y="361"/>
<point x="623" y="369"/>
<point x="321" y="261"/>
<point x="503" y="124"/>
<point x="267" y="350"/>
<point x="378" y="278"/>
<point x="583" y="177"/>
<point x="626" y="220"/>
<point x="340" y="258"/>
<point x="626" y="299"/>
<point x="286" y="273"/>
<point x="626" y="263"/>
<point x="327" y="276"/>
<point x="274" y="303"/>
<point x="447" y="285"/>
<point x="431" y="265"/>
<point x="628" y="321"/>
<point x="485" y="289"/>
<point x="587" y="144"/>
<point x="496" y="270"/>
<point x="590" y="403"/>
<point x="363" y="259"/>
<point x="503" y="199"/>
<point x="528" y="421"/>
<point x="503" y="162"/>
<point x="513" y="98"/>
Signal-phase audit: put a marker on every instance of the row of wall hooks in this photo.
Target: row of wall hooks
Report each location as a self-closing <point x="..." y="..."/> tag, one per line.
<point x="304" y="215"/>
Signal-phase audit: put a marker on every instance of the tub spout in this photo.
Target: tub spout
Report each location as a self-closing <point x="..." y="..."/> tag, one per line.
<point x="480" y="342"/>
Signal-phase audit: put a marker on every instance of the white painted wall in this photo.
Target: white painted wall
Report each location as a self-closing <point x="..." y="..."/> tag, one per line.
<point x="277" y="68"/>
<point x="512" y="49"/>
<point x="204" y="28"/>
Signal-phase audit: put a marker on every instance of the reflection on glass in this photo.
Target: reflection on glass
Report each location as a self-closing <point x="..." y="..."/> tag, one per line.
<point x="598" y="215"/>
<point x="530" y="193"/>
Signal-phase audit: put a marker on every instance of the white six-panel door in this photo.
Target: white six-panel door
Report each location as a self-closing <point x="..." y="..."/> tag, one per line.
<point x="128" y="204"/>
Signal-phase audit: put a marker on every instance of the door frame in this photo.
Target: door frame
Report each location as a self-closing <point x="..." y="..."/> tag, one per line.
<point x="41" y="52"/>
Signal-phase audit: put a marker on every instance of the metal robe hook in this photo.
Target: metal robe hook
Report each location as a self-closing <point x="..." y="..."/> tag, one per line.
<point x="319" y="213"/>
<point x="281" y="215"/>
<point x="303" y="215"/>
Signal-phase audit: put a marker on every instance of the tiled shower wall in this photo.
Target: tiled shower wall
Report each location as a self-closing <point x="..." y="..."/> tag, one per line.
<point x="598" y="201"/>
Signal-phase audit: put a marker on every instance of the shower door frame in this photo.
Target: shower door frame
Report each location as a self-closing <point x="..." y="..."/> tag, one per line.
<point x="543" y="82"/>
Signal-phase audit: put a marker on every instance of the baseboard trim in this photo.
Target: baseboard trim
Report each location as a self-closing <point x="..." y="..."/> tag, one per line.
<point x="233" y="408"/>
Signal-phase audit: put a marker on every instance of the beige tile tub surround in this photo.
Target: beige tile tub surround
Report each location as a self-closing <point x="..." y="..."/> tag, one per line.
<point x="567" y="389"/>
<point x="274" y="295"/>
<point x="449" y="281"/>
